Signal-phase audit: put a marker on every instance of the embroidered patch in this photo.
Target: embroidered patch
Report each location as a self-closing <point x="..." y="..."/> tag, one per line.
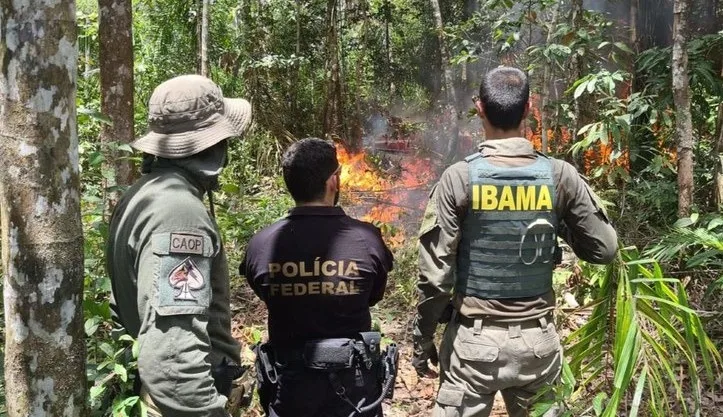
<point x="185" y="279"/>
<point x="186" y="243"/>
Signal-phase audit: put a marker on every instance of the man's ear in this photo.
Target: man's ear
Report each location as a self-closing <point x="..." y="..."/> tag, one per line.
<point x="480" y="108"/>
<point x="528" y="107"/>
<point x="333" y="183"/>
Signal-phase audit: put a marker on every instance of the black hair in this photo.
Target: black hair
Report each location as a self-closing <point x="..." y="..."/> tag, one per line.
<point x="504" y="93"/>
<point x="307" y="164"/>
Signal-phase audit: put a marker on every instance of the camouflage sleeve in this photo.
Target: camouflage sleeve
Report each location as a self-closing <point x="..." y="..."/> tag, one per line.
<point x="438" y="239"/>
<point x="174" y="295"/>
<point x="584" y="226"/>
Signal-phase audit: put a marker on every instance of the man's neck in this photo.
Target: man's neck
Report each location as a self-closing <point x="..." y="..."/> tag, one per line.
<point x="503" y="134"/>
<point x="313" y="204"/>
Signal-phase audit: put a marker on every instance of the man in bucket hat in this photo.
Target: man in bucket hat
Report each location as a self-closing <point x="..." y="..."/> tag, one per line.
<point x="165" y="257"/>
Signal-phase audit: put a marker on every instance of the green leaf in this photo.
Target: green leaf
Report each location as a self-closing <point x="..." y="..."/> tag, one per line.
<point x="107" y="349"/>
<point x="580" y="89"/>
<point x="91" y="325"/>
<point x="598" y="403"/>
<point x="135" y="349"/>
<point x="638" y="391"/>
<point x="125" y="148"/>
<point x="96" y="158"/>
<point x="97" y="391"/>
<point x="623" y="47"/>
<point x="591" y="85"/>
<point x="95" y="115"/>
<point x="717" y="221"/>
<point x="121" y="371"/>
<point x="683" y="222"/>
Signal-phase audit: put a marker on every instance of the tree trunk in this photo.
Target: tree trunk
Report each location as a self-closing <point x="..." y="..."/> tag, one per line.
<point x="42" y="241"/>
<point x="681" y="98"/>
<point x="719" y="152"/>
<point x="547" y="77"/>
<point x="577" y="20"/>
<point x="204" y="38"/>
<point x="294" y="79"/>
<point x="448" y="82"/>
<point x="634" y="7"/>
<point x="115" y="36"/>
<point x="333" y="119"/>
<point x="387" y="46"/>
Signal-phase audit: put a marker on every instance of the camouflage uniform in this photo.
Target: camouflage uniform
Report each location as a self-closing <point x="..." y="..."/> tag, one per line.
<point x="165" y="257"/>
<point x="498" y="344"/>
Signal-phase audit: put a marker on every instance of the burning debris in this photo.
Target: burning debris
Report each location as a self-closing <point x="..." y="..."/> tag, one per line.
<point x="393" y="198"/>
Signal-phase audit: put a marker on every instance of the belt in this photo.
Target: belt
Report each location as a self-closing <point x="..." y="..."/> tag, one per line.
<point x="497" y="324"/>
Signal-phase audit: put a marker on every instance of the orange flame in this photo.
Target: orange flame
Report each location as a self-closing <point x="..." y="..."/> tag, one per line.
<point x="387" y="194"/>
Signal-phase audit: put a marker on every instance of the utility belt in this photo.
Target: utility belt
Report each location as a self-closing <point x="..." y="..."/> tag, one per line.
<point x="331" y="356"/>
<point x="486" y="322"/>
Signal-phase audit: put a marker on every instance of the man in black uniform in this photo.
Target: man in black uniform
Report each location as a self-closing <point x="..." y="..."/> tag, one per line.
<point x="318" y="271"/>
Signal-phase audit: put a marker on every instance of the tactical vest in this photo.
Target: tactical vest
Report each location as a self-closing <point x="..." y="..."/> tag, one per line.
<point x="509" y="237"/>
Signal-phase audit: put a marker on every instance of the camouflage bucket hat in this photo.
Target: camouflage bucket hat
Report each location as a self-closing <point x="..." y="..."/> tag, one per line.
<point x="188" y="114"/>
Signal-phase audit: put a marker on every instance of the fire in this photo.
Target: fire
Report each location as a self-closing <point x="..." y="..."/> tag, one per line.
<point x="559" y="141"/>
<point x="386" y="198"/>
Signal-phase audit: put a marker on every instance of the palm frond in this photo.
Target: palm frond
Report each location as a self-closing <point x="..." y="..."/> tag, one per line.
<point x="641" y="334"/>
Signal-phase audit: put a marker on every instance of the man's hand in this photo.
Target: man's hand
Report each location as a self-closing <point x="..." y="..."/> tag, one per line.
<point x="424" y="350"/>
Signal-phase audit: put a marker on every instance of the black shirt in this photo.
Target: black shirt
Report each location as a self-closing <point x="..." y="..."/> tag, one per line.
<point x="319" y="271"/>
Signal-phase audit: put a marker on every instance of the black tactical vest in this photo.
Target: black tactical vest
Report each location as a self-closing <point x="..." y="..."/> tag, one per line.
<point x="509" y="237"/>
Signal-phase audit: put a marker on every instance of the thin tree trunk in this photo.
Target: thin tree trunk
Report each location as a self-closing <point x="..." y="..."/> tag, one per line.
<point x="681" y="98"/>
<point x="293" y="87"/>
<point x="86" y="62"/>
<point x="448" y="82"/>
<point x="634" y="7"/>
<point x="547" y="77"/>
<point x="333" y="120"/>
<point x="115" y="35"/>
<point x="387" y="45"/>
<point x="204" y="37"/>
<point x="42" y="240"/>
<point x="719" y="153"/>
<point x="358" y="129"/>
<point x="577" y="20"/>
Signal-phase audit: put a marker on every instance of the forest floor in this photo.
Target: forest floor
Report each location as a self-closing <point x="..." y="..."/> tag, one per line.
<point x="414" y="396"/>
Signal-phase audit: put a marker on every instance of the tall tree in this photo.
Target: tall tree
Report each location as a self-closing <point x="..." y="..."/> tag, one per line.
<point x="203" y="56"/>
<point x="115" y="36"/>
<point x="547" y="80"/>
<point x="333" y="107"/>
<point x="448" y="82"/>
<point x="719" y="154"/>
<point x="42" y="241"/>
<point x="681" y="98"/>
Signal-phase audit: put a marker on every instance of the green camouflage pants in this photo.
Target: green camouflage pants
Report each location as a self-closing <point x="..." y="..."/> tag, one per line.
<point x="476" y="362"/>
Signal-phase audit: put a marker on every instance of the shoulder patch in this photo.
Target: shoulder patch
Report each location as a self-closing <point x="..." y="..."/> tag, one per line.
<point x="186" y="279"/>
<point x="186" y="243"/>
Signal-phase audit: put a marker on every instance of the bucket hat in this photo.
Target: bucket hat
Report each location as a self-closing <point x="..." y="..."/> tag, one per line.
<point x="188" y="114"/>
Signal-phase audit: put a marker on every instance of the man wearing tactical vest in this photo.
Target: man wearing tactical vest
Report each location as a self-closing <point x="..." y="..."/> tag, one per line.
<point x="318" y="271"/>
<point x="488" y="244"/>
<point x="165" y="257"/>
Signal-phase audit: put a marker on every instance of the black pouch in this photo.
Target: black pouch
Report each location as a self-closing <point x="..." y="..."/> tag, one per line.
<point x="329" y="354"/>
<point x="372" y="348"/>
